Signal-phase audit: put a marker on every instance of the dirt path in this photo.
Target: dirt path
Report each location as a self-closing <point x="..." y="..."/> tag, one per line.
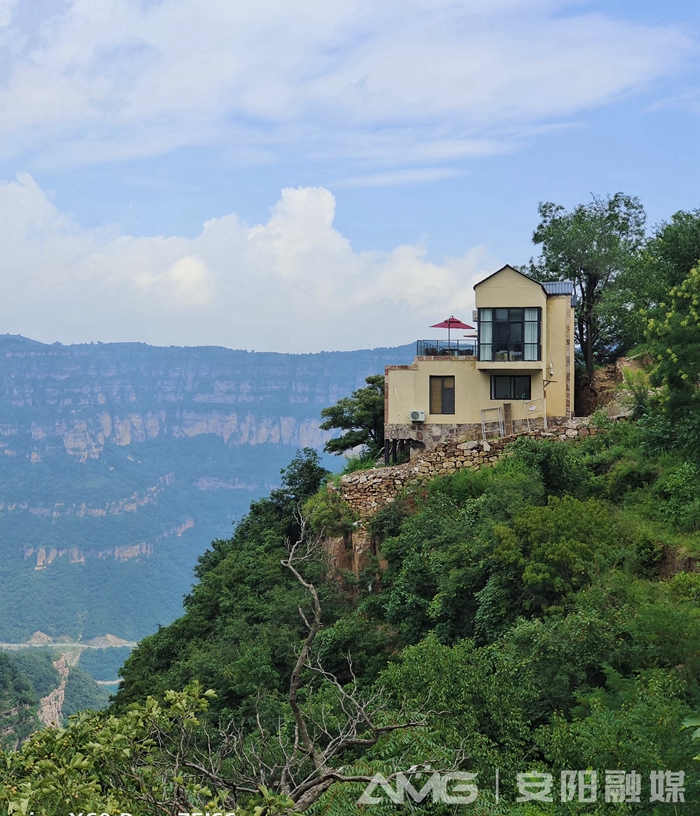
<point x="51" y="705"/>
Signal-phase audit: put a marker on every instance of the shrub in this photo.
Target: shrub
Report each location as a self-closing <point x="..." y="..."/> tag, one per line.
<point x="354" y="463"/>
<point x="635" y="392"/>
<point x="328" y="513"/>
<point x="387" y="522"/>
<point x="681" y="494"/>
<point x="561" y="467"/>
<point x="627" y="475"/>
<point x="656" y="434"/>
<point x="600" y="420"/>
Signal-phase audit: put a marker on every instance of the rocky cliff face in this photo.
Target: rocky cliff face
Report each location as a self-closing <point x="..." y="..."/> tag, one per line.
<point x="82" y="398"/>
<point x="120" y="462"/>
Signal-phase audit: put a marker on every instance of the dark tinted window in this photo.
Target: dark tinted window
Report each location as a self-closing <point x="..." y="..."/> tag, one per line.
<point x="507" y="387"/>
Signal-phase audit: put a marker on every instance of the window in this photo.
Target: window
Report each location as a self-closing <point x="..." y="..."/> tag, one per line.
<point x="509" y="335"/>
<point x="510" y="388"/>
<point x="442" y="395"/>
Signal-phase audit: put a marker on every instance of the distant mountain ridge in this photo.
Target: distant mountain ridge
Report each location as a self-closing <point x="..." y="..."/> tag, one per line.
<point x="88" y="394"/>
<point x="119" y="462"/>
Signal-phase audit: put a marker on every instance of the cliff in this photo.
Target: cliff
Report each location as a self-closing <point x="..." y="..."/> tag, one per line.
<point x="81" y="398"/>
<point x="119" y="463"/>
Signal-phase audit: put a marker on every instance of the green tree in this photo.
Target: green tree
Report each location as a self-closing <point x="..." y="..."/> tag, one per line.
<point x="675" y="339"/>
<point x="83" y="693"/>
<point x="242" y="615"/>
<point x="143" y="762"/>
<point x="669" y="254"/>
<point x="301" y="479"/>
<point x="17" y="697"/>
<point x="674" y="249"/>
<point x="170" y="757"/>
<point x="590" y="246"/>
<point x="361" y="416"/>
<point x="37" y="665"/>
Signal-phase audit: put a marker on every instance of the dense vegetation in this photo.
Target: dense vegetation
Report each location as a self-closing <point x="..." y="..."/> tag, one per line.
<point x="618" y="273"/>
<point x="17" y="699"/>
<point x="104" y="664"/>
<point x="37" y="666"/>
<point x="542" y="604"/>
<point x="26" y="676"/>
<point x="83" y="693"/>
<point x="360" y="416"/>
<point x="539" y="615"/>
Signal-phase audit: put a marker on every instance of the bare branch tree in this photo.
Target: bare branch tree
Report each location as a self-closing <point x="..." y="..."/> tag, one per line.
<point x="290" y="760"/>
<point x="297" y="762"/>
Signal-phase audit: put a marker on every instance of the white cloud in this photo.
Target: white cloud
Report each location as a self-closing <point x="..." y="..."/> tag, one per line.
<point x="388" y="83"/>
<point x="291" y="284"/>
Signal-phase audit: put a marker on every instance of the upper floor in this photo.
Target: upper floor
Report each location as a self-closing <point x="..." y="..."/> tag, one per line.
<point x="520" y="320"/>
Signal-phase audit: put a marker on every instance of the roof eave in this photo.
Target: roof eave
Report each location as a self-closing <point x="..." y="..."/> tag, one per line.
<point x="513" y="269"/>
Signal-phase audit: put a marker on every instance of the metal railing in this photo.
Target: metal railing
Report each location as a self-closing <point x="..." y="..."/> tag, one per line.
<point x="443" y="348"/>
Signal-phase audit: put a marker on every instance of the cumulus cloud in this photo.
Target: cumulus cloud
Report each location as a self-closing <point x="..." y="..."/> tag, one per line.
<point x="390" y="83"/>
<point x="291" y="284"/>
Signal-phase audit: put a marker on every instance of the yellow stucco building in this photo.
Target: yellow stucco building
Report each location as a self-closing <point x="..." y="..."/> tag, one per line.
<point x="519" y="371"/>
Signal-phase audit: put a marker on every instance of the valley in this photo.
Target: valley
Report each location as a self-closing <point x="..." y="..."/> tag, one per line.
<point x="120" y="463"/>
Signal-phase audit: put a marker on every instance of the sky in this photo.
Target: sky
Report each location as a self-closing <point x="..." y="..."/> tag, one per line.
<point x="317" y="175"/>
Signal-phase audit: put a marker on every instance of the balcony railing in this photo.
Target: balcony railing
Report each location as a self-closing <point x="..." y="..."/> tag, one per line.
<point x="443" y="348"/>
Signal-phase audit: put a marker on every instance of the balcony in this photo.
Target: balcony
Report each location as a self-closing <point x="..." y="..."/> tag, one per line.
<point x="444" y="348"/>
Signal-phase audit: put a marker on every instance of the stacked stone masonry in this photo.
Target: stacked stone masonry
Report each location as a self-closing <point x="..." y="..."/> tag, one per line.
<point x="368" y="491"/>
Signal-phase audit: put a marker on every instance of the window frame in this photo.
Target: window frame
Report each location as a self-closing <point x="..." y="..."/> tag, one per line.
<point x="519" y="345"/>
<point x="443" y="391"/>
<point x="512" y="391"/>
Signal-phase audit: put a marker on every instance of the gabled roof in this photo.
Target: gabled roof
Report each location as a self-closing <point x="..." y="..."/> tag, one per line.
<point x="564" y="287"/>
<point x="512" y="269"/>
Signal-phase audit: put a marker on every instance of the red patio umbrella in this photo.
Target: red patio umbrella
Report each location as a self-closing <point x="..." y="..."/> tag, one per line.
<point x="452" y="322"/>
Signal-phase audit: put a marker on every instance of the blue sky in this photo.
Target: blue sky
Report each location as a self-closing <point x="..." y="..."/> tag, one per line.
<point x="317" y="175"/>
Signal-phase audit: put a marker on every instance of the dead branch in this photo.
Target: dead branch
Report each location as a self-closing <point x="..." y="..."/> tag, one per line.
<point x="298" y="764"/>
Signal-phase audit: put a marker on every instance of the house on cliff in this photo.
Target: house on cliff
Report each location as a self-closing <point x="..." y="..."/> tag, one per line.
<point x="517" y="373"/>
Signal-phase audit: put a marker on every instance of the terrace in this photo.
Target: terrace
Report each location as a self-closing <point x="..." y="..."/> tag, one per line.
<point x="446" y="348"/>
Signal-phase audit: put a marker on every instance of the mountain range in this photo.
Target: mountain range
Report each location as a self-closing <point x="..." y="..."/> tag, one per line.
<point x="120" y="462"/>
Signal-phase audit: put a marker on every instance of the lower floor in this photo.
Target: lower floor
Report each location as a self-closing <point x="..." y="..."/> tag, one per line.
<point x="437" y="400"/>
<point x="424" y="436"/>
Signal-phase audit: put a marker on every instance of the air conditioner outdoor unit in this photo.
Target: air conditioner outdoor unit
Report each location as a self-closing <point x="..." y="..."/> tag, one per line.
<point x="417" y="416"/>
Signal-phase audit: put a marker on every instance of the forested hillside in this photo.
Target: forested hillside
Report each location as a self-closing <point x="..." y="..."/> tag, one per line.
<point x="541" y="615"/>
<point x="28" y="679"/>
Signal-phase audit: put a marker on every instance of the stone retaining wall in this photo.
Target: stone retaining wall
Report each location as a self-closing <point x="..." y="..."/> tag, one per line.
<point x="426" y="436"/>
<point x="367" y="491"/>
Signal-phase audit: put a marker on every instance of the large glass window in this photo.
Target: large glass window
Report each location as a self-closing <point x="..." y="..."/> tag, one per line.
<point x="442" y="395"/>
<point x="508" y="387"/>
<point x="509" y="335"/>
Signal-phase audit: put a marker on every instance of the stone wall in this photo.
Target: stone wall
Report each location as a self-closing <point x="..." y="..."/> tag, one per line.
<point x="426" y="436"/>
<point x="368" y="491"/>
